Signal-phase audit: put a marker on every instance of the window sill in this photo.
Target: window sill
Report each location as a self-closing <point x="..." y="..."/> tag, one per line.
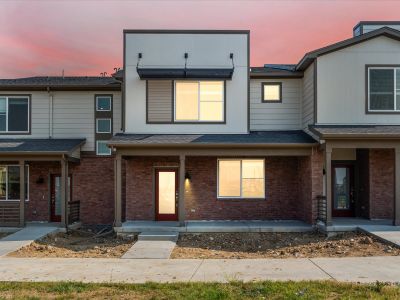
<point x="27" y="200"/>
<point x="241" y="199"/>
<point x="383" y="112"/>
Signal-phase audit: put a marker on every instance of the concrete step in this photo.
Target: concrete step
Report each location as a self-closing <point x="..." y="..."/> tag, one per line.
<point x="158" y="236"/>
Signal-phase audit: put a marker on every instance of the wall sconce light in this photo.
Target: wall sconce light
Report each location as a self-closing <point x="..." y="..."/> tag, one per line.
<point x="40" y="180"/>
<point x="187" y="176"/>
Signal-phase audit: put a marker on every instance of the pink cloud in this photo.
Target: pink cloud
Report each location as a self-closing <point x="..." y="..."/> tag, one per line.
<point x="85" y="37"/>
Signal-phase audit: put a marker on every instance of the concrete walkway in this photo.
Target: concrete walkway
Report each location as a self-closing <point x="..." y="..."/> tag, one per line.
<point x="150" y="249"/>
<point x="358" y="269"/>
<point x="389" y="234"/>
<point x="24" y="237"/>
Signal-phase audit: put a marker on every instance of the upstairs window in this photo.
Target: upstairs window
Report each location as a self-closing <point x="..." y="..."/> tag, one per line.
<point x="14" y="114"/>
<point x="199" y="101"/>
<point x="271" y="92"/>
<point x="103" y="103"/>
<point x="383" y="89"/>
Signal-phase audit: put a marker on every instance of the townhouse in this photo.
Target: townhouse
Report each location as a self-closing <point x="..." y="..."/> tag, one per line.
<point x="188" y="131"/>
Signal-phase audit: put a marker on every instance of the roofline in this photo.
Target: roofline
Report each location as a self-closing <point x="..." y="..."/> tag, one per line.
<point x="188" y="31"/>
<point x="60" y="88"/>
<point x="378" y="136"/>
<point x="310" y="56"/>
<point x="276" y="75"/>
<point x="211" y="145"/>
<point x="376" y="23"/>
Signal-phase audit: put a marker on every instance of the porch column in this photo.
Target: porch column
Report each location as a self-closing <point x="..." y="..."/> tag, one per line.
<point x="181" y="204"/>
<point x="64" y="192"/>
<point x="328" y="184"/>
<point x="118" y="191"/>
<point x="22" y="193"/>
<point x="396" y="221"/>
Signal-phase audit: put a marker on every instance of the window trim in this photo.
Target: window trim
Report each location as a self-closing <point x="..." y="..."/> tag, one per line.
<point x="103" y="119"/>
<point x="174" y="121"/>
<point x="27" y="132"/>
<point x="279" y="83"/>
<point x="367" y="98"/>
<point x="103" y="96"/>
<point x="240" y="197"/>
<point x="97" y="149"/>
<point x="27" y="185"/>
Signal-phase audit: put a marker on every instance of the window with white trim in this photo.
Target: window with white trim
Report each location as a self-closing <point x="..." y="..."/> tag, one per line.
<point x="102" y="148"/>
<point x="103" y="125"/>
<point x="103" y="103"/>
<point x="383" y="89"/>
<point x="199" y="101"/>
<point x="14" y="114"/>
<point x="9" y="183"/>
<point x="241" y="178"/>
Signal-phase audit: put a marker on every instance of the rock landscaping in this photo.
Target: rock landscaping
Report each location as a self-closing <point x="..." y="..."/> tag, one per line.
<point x="279" y="245"/>
<point x="78" y="244"/>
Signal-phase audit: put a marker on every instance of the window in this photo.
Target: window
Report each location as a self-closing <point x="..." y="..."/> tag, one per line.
<point x="103" y="125"/>
<point x="384" y="89"/>
<point x="14" y="114"/>
<point x="241" y="178"/>
<point x="199" y="101"/>
<point x="102" y="148"/>
<point x="103" y="103"/>
<point x="271" y="92"/>
<point x="9" y="182"/>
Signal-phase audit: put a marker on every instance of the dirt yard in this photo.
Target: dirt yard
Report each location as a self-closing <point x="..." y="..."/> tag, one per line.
<point x="82" y="243"/>
<point x="278" y="245"/>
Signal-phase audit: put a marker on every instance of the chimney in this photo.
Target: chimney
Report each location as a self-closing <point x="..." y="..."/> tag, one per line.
<point x="368" y="26"/>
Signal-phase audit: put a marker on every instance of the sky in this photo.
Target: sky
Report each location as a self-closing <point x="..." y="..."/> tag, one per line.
<point x="44" y="37"/>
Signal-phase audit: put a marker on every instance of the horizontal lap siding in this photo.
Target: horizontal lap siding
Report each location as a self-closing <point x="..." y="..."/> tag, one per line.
<point x="308" y="97"/>
<point x="159" y="101"/>
<point x="276" y="116"/>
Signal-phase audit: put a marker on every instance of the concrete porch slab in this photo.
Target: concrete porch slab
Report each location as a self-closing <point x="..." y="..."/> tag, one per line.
<point x="386" y="233"/>
<point x="351" y="224"/>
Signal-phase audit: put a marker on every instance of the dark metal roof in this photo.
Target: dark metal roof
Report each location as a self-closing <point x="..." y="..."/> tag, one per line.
<point x="310" y="56"/>
<point x="275" y="71"/>
<point x="60" y="82"/>
<point x="39" y="145"/>
<point x="351" y="131"/>
<point x="179" y="73"/>
<point x="255" y="137"/>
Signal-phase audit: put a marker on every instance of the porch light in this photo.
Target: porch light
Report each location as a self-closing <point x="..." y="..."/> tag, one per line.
<point x="187" y="176"/>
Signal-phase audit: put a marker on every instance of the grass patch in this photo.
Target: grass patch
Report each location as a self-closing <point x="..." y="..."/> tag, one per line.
<point x="195" y="291"/>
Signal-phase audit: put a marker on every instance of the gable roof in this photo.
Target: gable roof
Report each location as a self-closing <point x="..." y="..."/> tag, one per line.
<point x="310" y="56"/>
<point x="61" y="83"/>
<point x="275" y="71"/>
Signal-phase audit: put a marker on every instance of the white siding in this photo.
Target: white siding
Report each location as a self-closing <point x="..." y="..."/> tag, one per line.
<point x="307" y="109"/>
<point x="205" y="50"/>
<point x="276" y="116"/>
<point x="341" y="82"/>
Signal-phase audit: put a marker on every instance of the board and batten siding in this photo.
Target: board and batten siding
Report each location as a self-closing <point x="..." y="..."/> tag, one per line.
<point x="307" y="109"/>
<point x="285" y="115"/>
<point x="73" y="115"/>
<point x="159" y="101"/>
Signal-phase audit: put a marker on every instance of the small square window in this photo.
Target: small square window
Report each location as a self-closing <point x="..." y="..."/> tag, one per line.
<point x="103" y="103"/>
<point x="271" y="92"/>
<point x="103" y="125"/>
<point x="102" y="148"/>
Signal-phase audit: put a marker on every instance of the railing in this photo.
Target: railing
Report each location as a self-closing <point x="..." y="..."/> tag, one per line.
<point x="321" y="208"/>
<point x="74" y="209"/>
<point x="9" y="213"/>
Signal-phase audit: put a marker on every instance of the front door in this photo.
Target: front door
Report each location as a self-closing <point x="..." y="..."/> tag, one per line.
<point x="166" y="194"/>
<point x="55" y="199"/>
<point x="343" y="190"/>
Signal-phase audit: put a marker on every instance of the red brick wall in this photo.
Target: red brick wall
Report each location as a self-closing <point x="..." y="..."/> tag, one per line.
<point x="282" y="186"/>
<point x="381" y="183"/>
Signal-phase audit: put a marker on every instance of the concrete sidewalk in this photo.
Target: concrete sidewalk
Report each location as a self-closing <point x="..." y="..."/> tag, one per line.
<point x="357" y="269"/>
<point x="389" y="234"/>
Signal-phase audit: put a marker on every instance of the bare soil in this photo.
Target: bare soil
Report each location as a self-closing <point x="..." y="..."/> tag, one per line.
<point x="80" y="244"/>
<point x="279" y="245"/>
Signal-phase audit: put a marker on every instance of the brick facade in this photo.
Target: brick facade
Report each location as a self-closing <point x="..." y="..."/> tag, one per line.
<point x="381" y="183"/>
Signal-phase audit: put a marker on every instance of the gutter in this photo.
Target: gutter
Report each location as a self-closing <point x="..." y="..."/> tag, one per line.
<point x="193" y="145"/>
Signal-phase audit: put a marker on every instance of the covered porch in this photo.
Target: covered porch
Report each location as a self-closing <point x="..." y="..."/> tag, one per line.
<point x="35" y="178"/>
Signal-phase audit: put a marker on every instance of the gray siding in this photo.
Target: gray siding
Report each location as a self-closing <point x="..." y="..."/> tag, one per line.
<point x="159" y="100"/>
<point x="307" y="108"/>
<point x="276" y="116"/>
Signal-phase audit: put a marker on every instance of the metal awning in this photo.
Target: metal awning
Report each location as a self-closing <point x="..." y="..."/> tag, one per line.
<point x="185" y="73"/>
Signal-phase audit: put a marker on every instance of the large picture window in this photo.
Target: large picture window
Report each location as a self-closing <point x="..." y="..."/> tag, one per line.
<point x="241" y="178"/>
<point x="199" y="101"/>
<point x="384" y="89"/>
<point x="14" y="114"/>
<point x="9" y="182"/>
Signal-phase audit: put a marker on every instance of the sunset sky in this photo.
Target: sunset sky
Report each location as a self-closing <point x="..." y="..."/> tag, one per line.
<point x="85" y="37"/>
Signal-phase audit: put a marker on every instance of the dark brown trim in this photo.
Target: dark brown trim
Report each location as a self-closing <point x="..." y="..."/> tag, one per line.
<point x="29" y="132"/>
<point x="271" y="83"/>
<point x="315" y="86"/>
<point x="103" y="115"/>
<point x="367" y="111"/>
<point x="248" y="82"/>
<point x="123" y="106"/>
<point x="186" y="31"/>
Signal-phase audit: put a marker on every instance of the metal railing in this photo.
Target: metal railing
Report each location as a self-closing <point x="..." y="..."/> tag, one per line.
<point x="74" y="211"/>
<point x="321" y="216"/>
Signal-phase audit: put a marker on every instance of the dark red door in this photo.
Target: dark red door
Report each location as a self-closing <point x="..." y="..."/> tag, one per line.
<point x="343" y="202"/>
<point x="55" y="197"/>
<point x="166" y="188"/>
